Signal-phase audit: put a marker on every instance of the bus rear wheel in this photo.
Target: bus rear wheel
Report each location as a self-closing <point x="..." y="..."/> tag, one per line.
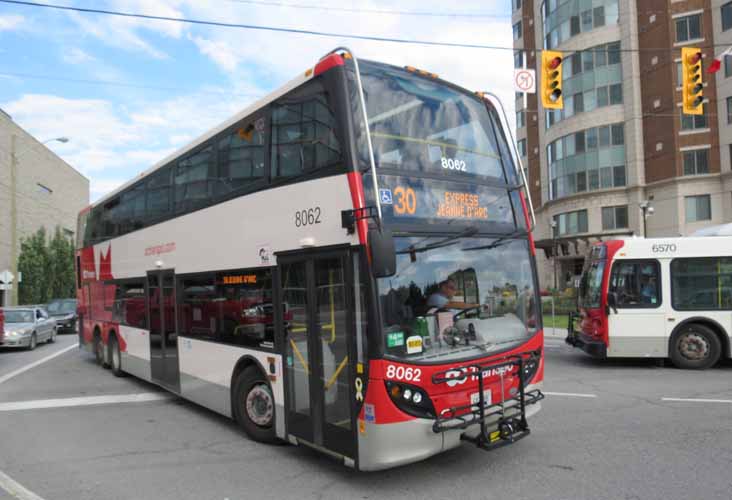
<point x="695" y="347"/>
<point x="115" y="357"/>
<point x="254" y="407"/>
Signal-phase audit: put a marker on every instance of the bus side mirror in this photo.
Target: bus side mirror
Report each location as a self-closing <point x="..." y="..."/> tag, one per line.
<point x="383" y="252"/>
<point x="612" y="301"/>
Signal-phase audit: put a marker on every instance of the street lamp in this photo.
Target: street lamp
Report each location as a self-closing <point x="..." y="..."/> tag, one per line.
<point x="647" y="210"/>
<point x="62" y="140"/>
<point x="554" y="251"/>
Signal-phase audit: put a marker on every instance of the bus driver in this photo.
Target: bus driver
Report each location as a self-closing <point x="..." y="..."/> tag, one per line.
<point x="442" y="297"/>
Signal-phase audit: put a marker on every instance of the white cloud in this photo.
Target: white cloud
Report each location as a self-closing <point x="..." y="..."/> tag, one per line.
<point x="77" y="56"/>
<point x="219" y="51"/>
<point x="10" y="22"/>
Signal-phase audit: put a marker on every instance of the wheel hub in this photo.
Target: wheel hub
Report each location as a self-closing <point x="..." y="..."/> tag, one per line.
<point x="694" y="346"/>
<point x="260" y="406"/>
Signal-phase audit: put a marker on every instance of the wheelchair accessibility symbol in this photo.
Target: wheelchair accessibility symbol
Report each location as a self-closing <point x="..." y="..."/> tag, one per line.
<point x="385" y="197"/>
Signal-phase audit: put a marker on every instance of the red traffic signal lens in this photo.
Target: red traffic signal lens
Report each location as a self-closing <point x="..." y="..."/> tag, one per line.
<point x="555" y="62"/>
<point x="695" y="58"/>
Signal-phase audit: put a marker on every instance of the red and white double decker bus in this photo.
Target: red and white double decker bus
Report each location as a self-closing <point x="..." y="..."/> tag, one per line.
<point x="369" y="291"/>
<point x="657" y="298"/>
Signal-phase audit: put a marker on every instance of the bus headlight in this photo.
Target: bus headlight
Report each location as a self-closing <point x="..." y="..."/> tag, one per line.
<point x="410" y="399"/>
<point x="530" y="366"/>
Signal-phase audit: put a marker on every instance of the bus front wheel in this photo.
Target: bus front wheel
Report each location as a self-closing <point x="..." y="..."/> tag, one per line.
<point x="254" y="407"/>
<point x="695" y="347"/>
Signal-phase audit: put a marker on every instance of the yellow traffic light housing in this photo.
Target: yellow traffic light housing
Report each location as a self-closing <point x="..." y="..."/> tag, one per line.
<point x="692" y="87"/>
<point x="551" y="79"/>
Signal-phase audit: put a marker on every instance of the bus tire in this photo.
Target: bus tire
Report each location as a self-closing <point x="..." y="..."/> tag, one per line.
<point x="695" y="347"/>
<point x="253" y="405"/>
<point x="99" y="350"/>
<point x="115" y="357"/>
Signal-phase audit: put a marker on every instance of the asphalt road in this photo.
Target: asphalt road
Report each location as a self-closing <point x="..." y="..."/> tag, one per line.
<point x="605" y="432"/>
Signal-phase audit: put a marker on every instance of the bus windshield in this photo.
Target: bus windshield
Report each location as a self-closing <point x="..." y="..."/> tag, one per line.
<point x="421" y="125"/>
<point x="590" y="290"/>
<point x="455" y="298"/>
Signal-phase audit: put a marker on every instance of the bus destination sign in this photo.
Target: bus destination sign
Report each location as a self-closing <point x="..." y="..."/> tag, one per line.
<point x="404" y="198"/>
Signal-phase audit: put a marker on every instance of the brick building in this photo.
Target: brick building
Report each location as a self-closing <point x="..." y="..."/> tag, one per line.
<point x="37" y="189"/>
<point x="621" y="141"/>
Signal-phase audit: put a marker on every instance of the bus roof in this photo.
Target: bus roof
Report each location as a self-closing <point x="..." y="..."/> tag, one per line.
<point x="685" y="246"/>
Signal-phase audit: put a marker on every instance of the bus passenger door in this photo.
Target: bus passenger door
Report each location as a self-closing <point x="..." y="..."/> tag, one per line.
<point x="161" y="303"/>
<point x="318" y="350"/>
<point x="637" y="326"/>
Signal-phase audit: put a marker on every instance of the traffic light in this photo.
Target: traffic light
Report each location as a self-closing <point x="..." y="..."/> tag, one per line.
<point x="692" y="86"/>
<point x="551" y="80"/>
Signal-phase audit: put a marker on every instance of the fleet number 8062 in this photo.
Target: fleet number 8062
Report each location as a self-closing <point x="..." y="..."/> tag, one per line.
<point x="404" y="373"/>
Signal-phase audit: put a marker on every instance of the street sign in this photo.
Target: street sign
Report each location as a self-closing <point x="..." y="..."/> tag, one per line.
<point x="524" y="80"/>
<point x="6" y="277"/>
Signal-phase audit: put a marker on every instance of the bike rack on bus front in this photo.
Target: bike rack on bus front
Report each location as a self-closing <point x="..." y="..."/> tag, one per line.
<point x="510" y="414"/>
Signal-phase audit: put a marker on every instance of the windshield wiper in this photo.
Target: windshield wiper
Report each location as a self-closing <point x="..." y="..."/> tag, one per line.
<point x="450" y="240"/>
<point x="503" y="240"/>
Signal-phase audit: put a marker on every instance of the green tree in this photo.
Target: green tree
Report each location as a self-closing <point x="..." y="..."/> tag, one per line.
<point x="61" y="266"/>
<point x="33" y="264"/>
<point x="47" y="268"/>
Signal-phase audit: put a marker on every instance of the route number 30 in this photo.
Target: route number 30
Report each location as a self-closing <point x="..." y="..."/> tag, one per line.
<point x="406" y="201"/>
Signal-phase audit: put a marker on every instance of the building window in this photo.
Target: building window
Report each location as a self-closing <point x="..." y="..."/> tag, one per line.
<point x="522" y="147"/>
<point x="701" y="284"/>
<point x="587" y="160"/>
<point x="688" y="28"/>
<point x="698" y="208"/>
<point x="570" y="223"/>
<point x="520" y="119"/>
<point x="696" y="162"/>
<point x="729" y="110"/>
<point x="517" y="31"/>
<point x="518" y="59"/>
<point x="726" y="16"/>
<point x="516" y="4"/>
<point x="614" y="218"/>
<point x="695" y="122"/>
<point x="727" y="66"/>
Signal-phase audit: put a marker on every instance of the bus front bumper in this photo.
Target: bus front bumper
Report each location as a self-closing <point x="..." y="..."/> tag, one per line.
<point x="595" y="348"/>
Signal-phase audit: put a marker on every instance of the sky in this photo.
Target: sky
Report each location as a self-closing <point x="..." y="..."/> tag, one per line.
<point x="128" y="92"/>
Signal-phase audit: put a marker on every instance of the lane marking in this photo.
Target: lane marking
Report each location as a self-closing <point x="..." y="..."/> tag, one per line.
<point x="85" y="401"/>
<point x="570" y="394"/>
<point x="10" y="375"/>
<point x="690" y="400"/>
<point x="15" y="489"/>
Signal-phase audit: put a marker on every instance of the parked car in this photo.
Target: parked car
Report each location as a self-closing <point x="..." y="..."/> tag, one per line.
<point x="26" y="327"/>
<point x="64" y="312"/>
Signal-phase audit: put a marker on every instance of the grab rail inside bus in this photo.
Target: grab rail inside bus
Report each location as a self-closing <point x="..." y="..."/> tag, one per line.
<point x="515" y="150"/>
<point x="362" y="101"/>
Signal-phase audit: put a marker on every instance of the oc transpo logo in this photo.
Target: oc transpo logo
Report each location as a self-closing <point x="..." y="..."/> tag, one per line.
<point x="458" y="376"/>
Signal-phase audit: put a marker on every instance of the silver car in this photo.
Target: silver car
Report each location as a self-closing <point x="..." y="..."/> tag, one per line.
<point x="26" y="327"/>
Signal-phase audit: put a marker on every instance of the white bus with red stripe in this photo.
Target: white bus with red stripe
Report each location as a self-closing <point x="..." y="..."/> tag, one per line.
<point x="367" y="291"/>
<point x="657" y="298"/>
